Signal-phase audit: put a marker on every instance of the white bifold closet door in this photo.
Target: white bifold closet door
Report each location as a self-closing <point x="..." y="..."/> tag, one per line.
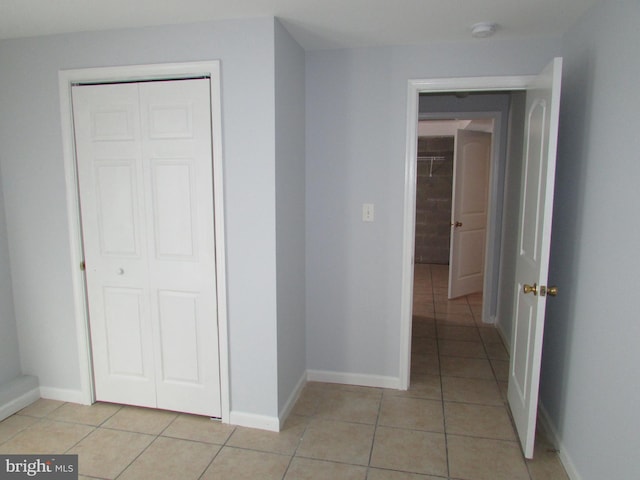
<point x="145" y="176"/>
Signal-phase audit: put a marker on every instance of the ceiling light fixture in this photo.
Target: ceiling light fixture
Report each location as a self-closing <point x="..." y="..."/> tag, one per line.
<point x="483" y="29"/>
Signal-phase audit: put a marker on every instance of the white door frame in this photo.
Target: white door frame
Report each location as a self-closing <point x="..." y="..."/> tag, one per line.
<point x="169" y="71"/>
<point x="489" y="280"/>
<point x="415" y="87"/>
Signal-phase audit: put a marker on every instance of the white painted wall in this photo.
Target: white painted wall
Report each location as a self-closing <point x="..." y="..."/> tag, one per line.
<point x="356" y="131"/>
<point x="34" y="189"/>
<point x="590" y="387"/>
<point x="9" y="352"/>
<point x="290" y="211"/>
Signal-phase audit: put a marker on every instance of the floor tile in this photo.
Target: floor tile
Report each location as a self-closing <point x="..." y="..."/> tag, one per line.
<point x="349" y="406"/>
<point x="482" y="459"/>
<point x="471" y="390"/>
<point x="337" y="441"/>
<point x="169" y="459"/>
<point x="424" y="345"/>
<point x="496" y="351"/>
<point x="14" y="425"/>
<point x="414" y="413"/>
<point x="307" y="469"/>
<point x="141" y="420"/>
<point x="307" y="403"/>
<point x="490" y="335"/>
<point x="425" y="363"/>
<point x="466" y="367"/>
<point x="284" y="442"/>
<point x="459" y="319"/>
<point x="41" y="408"/>
<point x="453" y="308"/>
<point x="95" y="414"/>
<point x="47" y="436"/>
<point x="106" y="453"/>
<point x="501" y="369"/>
<point x="545" y="464"/>
<point x="238" y="464"/>
<point x="409" y="451"/>
<point x="198" y="429"/>
<point x="457" y="348"/>
<point x="379" y="474"/>
<point x="423" y="327"/>
<point x="456" y="332"/>
<point x="421" y="386"/>
<point x="479" y="421"/>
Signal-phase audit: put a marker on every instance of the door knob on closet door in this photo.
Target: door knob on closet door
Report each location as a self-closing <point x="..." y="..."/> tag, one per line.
<point x="457" y="224"/>
<point x="526" y="288"/>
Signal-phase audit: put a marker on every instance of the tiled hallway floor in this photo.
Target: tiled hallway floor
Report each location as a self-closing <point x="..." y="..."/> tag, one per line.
<point x="451" y="424"/>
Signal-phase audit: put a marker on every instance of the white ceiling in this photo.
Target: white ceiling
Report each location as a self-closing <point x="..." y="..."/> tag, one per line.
<point x="316" y="24"/>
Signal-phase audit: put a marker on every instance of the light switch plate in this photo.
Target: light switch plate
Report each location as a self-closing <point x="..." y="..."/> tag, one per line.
<point x="367" y="212"/>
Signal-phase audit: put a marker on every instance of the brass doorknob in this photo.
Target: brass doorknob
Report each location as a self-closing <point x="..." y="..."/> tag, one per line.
<point x="457" y="224"/>
<point x="552" y="291"/>
<point x="526" y="288"/>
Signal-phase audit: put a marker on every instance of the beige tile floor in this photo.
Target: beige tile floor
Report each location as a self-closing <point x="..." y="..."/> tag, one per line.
<point x="451" y="424"/>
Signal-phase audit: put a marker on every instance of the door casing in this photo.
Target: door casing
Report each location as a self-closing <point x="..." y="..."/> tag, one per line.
<point x="169" y="71"/>
<point x="415" y="87"/>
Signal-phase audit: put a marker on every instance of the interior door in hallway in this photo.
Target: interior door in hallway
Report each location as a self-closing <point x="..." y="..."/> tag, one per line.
<point x="534" y="239"/>
<point x="472" y="162"/>
<point x="144" y="161"/>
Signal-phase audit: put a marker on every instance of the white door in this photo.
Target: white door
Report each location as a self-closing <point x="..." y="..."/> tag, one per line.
<point x="532" y="264"/>
<point x="472" y="161"/>
<point x="145" y="180"/>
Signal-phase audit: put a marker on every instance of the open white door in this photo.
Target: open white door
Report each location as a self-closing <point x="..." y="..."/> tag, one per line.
<point x="532" y="264"/>
<point x="472" y="161"/>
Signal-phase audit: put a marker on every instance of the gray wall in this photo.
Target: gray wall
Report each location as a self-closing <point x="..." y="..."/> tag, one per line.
<point x="34" y="187"/>
<point x="9" y="352"/>
<point x="590" y="386"/>
<point x="356" y="131"/>
<point x="290" y="209"/>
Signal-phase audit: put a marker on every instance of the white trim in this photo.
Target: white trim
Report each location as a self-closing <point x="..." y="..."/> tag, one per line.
<point x="17" y="394"/>
<point x="361" y="379"/>
<point x="415" y="87"/>
<point x="66" y="78"/>
<point x="64" y="395"/>
<point x="251" y="420"/>
<point x="546" y="425"/>
<point x="291" y="401"/>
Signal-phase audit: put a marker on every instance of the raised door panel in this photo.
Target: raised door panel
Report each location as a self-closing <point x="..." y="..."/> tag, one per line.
<point x="177" y="153"/>
<point x="109" y="163"/>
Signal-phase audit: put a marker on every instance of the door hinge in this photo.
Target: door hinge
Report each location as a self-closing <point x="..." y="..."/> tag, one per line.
<point x="83" y="267"/>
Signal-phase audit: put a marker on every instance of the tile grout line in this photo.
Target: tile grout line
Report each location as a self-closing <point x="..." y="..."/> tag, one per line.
<point x="375" y="432"/>
<point x="444" y="418"/>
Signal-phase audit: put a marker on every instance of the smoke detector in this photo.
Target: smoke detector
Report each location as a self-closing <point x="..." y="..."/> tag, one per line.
<point x="483" y="29"/>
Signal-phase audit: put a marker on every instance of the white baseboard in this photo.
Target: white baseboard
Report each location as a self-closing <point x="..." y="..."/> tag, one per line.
<point x="251" y="420"/>
<point x="354" y="379"/>
<point x="291" y="401"/>
<point x="506" y="341"/>
<point x="17" y="394"/>
<point x="545" y="423"/>
<point x="63" y="395"/>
